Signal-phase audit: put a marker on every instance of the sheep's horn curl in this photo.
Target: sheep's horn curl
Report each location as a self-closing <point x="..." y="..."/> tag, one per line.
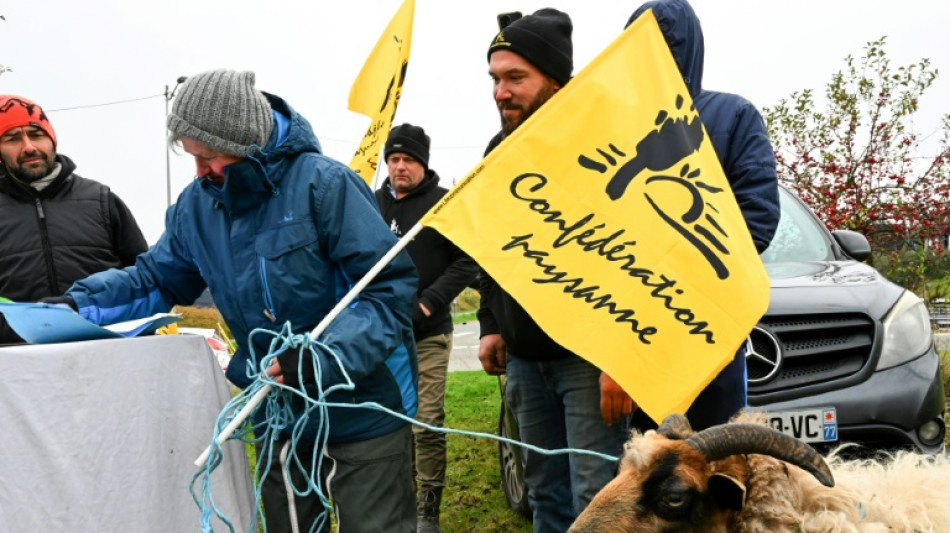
<point x="719" y="442"/>
<point x="676" y="427"/>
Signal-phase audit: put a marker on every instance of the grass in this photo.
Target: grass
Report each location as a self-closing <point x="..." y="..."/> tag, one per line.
<point x="473" y="500"/>
<point x="464" y="316"/>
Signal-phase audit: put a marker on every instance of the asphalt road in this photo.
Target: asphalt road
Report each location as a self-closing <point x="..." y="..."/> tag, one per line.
<point x="465" y="347"/>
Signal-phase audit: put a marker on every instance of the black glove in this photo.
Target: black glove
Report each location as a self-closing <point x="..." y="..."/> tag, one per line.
<point x="288" y="367"/>
<point x="60" y="300"/>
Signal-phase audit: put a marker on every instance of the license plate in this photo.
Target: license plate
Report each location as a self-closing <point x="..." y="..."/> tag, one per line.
<point x="808" y="425"/>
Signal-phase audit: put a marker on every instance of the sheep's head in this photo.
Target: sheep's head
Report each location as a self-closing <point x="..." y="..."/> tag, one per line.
<point x="675" y="480"/>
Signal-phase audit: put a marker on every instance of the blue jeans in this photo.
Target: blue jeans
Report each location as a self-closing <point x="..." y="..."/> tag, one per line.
<point x="557" y="405"/>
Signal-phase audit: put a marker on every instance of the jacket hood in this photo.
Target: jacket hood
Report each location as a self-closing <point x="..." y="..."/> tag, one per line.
<point x="684" y="36"/>
<point x="289" y="139"/>
<point x="23" y="192"/>
<point x="251" y="181"/>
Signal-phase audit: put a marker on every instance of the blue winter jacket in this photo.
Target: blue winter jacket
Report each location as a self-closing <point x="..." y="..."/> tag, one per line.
<point x="283" y="240"/>
<point x="734" y="125"/>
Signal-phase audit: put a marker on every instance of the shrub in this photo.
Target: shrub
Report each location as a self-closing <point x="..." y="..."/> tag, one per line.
<point x="920" y="269"/>
<point x="203" y="317"/>
<point x="468" y="300"/>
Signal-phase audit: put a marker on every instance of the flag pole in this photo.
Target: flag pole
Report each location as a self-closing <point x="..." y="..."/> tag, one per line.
<point x="258" y="397"/>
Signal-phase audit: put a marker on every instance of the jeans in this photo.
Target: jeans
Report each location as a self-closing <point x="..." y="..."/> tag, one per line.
<point x="370" y="484"/>
<point x="557" y="405"/>
<point x="430" y="445"/>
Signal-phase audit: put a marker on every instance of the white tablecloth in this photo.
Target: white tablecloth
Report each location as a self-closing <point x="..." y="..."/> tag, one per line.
<point x="101" y="436"/>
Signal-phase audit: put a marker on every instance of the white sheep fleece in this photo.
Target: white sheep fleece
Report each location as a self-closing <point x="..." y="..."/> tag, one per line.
<point x="902" y="492"/>
<point x="906" y="492"/>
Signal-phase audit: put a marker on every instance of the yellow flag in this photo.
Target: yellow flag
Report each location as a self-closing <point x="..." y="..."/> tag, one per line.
<point x="376" y="90"/>
<point x="608" y="217"/>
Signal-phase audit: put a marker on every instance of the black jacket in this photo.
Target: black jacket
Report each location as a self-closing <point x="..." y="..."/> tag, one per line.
<point x="498" y="312"/>
<point x="51" y="238"/>
<point x="444" y="269"/>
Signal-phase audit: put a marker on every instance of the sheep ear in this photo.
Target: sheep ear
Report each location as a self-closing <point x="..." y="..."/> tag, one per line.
<point x="727" y="491"/>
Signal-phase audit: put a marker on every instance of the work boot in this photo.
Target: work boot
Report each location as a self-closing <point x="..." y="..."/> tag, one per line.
<point x="428" y="510"/>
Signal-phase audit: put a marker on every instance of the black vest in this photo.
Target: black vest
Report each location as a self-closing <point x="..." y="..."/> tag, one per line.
<point x="49" y="240"/>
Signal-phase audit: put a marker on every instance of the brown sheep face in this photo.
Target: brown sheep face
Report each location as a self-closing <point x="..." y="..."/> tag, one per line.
<point x="665" y="486"/>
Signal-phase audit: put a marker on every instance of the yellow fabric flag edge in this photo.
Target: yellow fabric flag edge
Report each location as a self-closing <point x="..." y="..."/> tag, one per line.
<point x="378" y="87"/>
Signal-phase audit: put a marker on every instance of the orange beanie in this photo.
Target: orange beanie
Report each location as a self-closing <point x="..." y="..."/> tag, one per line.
<point x="16" y="111"/>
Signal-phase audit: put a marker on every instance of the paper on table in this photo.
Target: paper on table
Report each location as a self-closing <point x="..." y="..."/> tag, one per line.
<point x="132" y="328"/>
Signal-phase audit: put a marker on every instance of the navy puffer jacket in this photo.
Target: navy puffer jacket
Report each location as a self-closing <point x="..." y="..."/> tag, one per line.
<point x="734" y="125"/>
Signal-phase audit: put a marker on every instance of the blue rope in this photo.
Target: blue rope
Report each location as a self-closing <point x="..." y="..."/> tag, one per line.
<point x="278" y="416"/>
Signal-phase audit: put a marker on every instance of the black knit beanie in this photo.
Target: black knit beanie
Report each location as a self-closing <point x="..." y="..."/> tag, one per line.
<point x="408" y="139"/>
<point x="543" y="38"/>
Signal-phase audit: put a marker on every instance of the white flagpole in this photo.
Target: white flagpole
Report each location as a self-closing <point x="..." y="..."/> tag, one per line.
<point x="255" y="400"/>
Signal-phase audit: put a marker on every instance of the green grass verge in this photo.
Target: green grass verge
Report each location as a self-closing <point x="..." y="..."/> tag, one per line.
<point x="464" y="316"/>
<point x="473" y="499"/>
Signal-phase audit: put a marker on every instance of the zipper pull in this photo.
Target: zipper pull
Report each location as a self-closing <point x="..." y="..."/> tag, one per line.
<point x="39" y="208"/>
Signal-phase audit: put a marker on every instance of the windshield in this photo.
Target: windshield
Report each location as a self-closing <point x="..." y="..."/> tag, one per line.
<point x="799" y="236"/>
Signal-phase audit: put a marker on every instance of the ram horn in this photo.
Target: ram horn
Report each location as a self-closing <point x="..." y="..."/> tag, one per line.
<point x="719" y="442"/>
<point x="675" y="427"/>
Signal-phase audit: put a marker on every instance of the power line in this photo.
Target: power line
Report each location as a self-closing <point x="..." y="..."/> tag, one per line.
<point x="106" y="103"/>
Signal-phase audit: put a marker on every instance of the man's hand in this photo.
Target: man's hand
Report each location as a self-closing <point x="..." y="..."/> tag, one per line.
<point x="491" y="353"/>
<point x="287" y="365"/>
<point x="614" y="402"/>
<point x="275" y="371"/>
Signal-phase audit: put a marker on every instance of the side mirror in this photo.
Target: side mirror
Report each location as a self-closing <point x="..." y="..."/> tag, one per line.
<point x="853" y="243"/>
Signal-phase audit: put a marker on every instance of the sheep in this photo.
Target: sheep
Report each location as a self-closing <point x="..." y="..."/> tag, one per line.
<point x="739" y="477"/>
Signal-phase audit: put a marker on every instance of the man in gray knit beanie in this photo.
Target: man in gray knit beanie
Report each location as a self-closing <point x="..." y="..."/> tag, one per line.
<point x="222" y="110"/>
<point x="275" y="229"/>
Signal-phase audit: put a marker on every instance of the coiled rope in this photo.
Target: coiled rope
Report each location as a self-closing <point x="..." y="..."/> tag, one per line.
<point x="278" y="416"/>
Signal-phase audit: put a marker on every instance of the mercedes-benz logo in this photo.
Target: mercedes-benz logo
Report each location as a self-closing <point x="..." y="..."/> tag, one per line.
<point x="763" y="356"/>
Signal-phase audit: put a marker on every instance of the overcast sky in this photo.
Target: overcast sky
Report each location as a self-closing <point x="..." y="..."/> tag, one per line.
<point x="71" y="56"/>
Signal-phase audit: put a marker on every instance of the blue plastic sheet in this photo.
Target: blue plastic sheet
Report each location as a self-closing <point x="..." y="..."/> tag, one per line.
<point x="40" y="323"/>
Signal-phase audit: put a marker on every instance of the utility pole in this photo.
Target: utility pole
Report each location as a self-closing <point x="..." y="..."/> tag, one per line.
<point x="169" y="95"/>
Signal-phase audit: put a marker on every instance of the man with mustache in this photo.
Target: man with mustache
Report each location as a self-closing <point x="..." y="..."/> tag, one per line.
<point x="56" y="226"/>
<point x="558" y="398"/>
<point x="409" y="192"/>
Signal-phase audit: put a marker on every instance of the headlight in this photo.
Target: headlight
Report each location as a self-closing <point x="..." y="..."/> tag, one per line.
<point x="907" y="333"/>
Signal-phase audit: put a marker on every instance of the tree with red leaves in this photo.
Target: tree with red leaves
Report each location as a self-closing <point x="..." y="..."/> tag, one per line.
<point x="859" y="164"/>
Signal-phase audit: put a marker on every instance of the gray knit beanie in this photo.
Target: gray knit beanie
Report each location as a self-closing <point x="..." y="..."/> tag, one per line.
<point x="223" y="110"/>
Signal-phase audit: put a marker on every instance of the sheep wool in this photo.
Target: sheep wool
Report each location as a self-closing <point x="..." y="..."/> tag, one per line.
<point x="724" y="479"/>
